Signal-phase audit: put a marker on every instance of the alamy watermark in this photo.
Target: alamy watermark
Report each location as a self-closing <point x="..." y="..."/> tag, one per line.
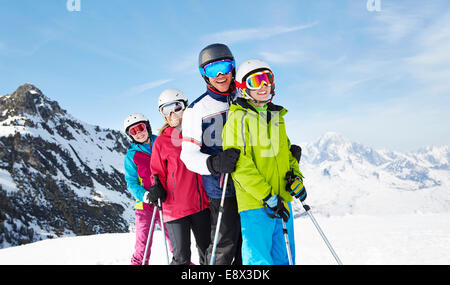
<point x="373" y="5"/>
<point x="73" y="5"/>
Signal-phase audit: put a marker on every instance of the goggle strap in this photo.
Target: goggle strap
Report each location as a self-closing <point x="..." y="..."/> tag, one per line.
<point x="240" y="85"/>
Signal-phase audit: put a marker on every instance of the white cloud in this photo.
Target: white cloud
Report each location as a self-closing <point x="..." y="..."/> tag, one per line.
<point x="147" y="86"/>
<point x="240" y="35"/>
<point x="188" y="63"/>
<point x="405" y="124"/>
<point x="292" y="56"/>
<point x="395" y="22"/>
<point x="431" y="64"/>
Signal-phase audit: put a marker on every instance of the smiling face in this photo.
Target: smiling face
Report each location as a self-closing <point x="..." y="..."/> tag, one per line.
<point x="175" y="119"/>
<point x="261" y="94"/>
<point x="141" y="137"/>
<point x="222" y="82"/>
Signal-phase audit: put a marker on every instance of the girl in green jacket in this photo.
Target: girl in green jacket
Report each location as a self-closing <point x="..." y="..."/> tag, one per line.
<point x="256" y="126"/>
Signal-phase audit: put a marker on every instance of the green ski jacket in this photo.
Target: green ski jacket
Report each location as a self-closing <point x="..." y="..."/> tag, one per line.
<point x="265" y="155"/>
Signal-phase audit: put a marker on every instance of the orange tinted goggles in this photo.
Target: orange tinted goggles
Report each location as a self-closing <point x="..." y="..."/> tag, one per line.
<point x="136" y="129"/>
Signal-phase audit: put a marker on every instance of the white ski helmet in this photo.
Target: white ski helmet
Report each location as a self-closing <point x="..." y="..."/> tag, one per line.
<point x="134" y="119"/>
<point x="249" y="67"/>
<point x="171" y="95"/>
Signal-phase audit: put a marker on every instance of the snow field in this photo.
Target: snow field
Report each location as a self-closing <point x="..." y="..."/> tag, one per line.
<point x="413" y="239"/>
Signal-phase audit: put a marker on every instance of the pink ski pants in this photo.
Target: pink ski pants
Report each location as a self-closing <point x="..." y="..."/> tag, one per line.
<point x="143" y="219"/>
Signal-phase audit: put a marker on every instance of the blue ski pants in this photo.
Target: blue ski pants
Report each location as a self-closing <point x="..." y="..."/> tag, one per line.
<point x="263" y="241"/>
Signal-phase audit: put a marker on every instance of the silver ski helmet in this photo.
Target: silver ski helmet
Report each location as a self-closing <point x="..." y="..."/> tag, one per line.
<point x="171" y="95"/>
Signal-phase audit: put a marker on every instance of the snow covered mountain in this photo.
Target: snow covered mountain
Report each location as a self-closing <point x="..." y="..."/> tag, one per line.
<point x="58" y="175"/>
<point x="345" y="177"/>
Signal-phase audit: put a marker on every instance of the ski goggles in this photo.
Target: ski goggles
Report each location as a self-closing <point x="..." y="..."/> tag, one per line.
<point x="136" y="129"/>
<point x="174" y="107"/>
<point x="256" y="80"/>
<point x="215" y="68"/>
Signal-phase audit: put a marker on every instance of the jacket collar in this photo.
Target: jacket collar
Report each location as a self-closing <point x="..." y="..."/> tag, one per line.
<point x="270" y="106"/>
<point x="224" y="97"/>
<point x="144" y="147"/>
<point x="169" y="132"/>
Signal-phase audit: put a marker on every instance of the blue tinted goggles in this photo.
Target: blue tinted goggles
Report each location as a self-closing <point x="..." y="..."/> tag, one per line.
<point x="215" y="68"/>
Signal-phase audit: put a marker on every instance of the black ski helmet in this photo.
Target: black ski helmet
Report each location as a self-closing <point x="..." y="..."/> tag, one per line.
<point x="215" y="52"/>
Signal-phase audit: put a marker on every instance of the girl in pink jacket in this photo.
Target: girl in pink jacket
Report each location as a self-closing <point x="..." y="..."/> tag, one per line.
<point x="186" y="207"/>
<point x="139" y="182"/>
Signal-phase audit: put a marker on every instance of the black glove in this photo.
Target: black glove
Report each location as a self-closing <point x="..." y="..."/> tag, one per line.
<point x="296" y="151"/>
<point x="156" y="192"/>
<point x="276" y="208"/>
<point x="224" y="162"/>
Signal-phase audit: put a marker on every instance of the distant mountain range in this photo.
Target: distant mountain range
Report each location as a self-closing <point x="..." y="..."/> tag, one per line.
<point x="345" y="177"/>
<point x="61" y="176"/>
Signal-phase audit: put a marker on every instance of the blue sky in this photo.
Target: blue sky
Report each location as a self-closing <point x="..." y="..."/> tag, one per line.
<point x="378" y="77"/>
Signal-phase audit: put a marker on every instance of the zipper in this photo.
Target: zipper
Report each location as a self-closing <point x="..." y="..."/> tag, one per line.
<point x="198" y="191"/>
<point x="242" y="133"/>
<point x="173" y="186"/>
<point x="269" y="131"/>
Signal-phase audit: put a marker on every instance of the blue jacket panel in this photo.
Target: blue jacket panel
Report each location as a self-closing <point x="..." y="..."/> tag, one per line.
<point x="137" y="169"/>
<point x="203" y="123"/>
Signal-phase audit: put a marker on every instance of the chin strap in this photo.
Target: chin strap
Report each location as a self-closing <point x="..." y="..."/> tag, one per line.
<point x="260" y="102"/>
<point x="253" y="100"/>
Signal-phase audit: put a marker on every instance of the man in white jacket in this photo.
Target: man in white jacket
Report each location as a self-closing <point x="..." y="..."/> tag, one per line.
<point x="202" y="151"/>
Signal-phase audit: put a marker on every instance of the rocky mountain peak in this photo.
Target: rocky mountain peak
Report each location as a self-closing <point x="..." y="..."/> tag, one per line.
<point x="58" y="175"/>
<point x="29" y="100"/>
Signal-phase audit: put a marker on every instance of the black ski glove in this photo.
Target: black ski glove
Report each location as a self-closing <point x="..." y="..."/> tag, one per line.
<point x="224" y="162"/>
<point x="296" y="152"/>
<point x="276" y="208"/>
<point x="156" y="192"/>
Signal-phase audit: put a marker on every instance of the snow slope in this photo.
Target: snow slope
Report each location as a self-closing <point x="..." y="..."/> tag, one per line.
<point x="414" y="239"/>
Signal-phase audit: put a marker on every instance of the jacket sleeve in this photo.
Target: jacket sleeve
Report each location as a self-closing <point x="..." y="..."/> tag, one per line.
<point x="157" y="164"/>
<point x="132" y="178"/>
<point x="235" y="135"/>
<point x="191" y="155"/>
<point x="293" y="163"/>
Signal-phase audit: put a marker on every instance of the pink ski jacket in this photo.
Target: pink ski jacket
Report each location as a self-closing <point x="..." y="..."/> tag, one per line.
<point x="185" y="192"/>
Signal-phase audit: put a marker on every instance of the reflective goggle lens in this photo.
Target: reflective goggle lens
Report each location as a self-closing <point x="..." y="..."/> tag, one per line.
<point x="213" y="69"/>
<point x="134" y="130"/>
<point x="174" y="107"/>
<point x="256" y="80"/>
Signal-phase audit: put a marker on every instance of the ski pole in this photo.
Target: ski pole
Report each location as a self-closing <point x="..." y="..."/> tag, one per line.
<point x="219" y="220"/>
<point x="150" y="234"/>
<point x="307" y="208"/>
<point x="288" y="246"/>
<point x="163" y="229"/>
